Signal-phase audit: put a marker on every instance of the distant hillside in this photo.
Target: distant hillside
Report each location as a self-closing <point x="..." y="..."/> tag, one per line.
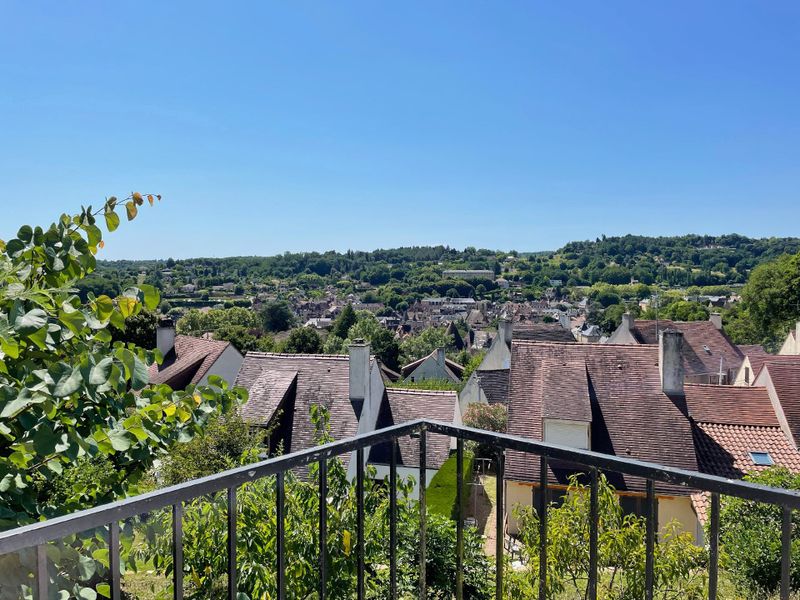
<point x="417" y="271"/>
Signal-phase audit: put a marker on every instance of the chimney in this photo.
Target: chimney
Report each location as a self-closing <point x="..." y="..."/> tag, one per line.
<point x="627" y="321"/>
<point x="359" y="375"/>
<point x="716" y="319"/>
<point x="797" y="338"/>
<point x="670" y="362"/>
<point x="440" y="358"/>
<point x="505" y="328"/>
<point x="165" y="336"/>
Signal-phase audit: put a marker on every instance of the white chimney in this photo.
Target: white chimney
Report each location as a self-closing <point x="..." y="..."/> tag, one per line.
<point x="670" y="362"/>
<point x="440" y="357"/>
<point x="716" y="319"/>
<point x="505" y="329"/>
<point x="165" y="336"/>
<point x="797" y="338"/>
<point x="359" y="374"/>
<point x="627" y="321"/>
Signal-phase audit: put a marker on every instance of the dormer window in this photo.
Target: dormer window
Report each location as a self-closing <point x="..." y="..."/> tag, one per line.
<point x="761" y="459"/>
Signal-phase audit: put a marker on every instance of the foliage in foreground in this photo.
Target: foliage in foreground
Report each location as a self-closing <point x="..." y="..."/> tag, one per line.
<point x="750" y="537"/>
<point x="68" y="393"/>
<point x="443" y="487"/>
<point x="621" y="551"/>
<point x="205" y="526"/>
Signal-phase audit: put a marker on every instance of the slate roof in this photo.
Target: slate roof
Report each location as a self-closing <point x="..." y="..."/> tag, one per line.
<point x="188" y="362"/>
<point x="542" y="332"/>
<point x="631" y="416"/>
<point x="494" y="384"/>
<point x="409" y="405"/>
<point x="454" y="369"/>
<point x="267" y="392"/>
<point x="319" y="379"/>
<point x="696" y="336"/>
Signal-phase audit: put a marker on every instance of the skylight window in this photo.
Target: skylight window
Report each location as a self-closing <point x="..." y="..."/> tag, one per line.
<point x="762" y="459"/>
<point x="707" y="349"/>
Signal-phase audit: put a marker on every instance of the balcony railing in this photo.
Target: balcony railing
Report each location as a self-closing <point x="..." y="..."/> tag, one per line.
<point x="38" y="535"/>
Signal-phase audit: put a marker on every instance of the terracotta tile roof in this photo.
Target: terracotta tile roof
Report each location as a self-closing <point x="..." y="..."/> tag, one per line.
<point x="320" y="379"/>
<point x="631" y="416"/>
<point x="732" y="405"/>
<point x="785" y="377"/>
<point x="189" y="362"/>
<point x="267" y="392"/>
<point x="494" y="384"/>
<point x="409" y="405"/>
<point x="697" y="336"/>
<point x="777" y="359"/>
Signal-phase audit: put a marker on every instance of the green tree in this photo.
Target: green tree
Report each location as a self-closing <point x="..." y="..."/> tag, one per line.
<point x="343" y="323"/>
<point x="425" y="342"/>
<point x="750" y="537"/>
<point x="68" y="394"/>
<point x="621" y="550"/>
<point x="140" y="329"/>
<point x="277" y="316"/>
<point x="772" y="296"/>
<point x="683" y="310"/>
<point x="303" y="340"/>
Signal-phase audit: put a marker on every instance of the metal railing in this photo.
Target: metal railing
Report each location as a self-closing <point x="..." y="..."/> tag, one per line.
<point x="37" y="535"/>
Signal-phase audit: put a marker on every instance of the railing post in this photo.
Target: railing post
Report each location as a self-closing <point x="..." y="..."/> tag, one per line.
<point x="460" y="515"/>
<point x="177" y="551"/>
<point x="360" y="520"/>
<point x="423" y="525"/>
<point x="499" y="528"/>
<point x="713" y="548"/>
<point x="280" y="534"/>
<point x="323" y="528"/>
<point x="114" y="565"/>
<point x="650" y="544"/>
<point x="543" y="528"/>
<point x="42" y="576"/>
<point x="592" y="595"/>
<point x="786" y="552"/>
<point x="393" y="523"/>
<point x="232" y="591"/>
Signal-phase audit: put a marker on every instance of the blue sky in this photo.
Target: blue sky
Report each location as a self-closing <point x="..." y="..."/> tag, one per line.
<point x="273" y="126"/>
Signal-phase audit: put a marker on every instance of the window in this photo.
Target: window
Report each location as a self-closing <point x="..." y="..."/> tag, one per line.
<point x="762" y="459"/>
<point x="747" y="374"/>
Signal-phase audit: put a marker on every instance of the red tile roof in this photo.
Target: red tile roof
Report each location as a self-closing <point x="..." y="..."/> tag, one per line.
<point x="631" y="416"/>
<point x="781" y="359"/>
<point x="189" y="362"/>
<point x="733" y="405"/>
<point x="697" y="336"/>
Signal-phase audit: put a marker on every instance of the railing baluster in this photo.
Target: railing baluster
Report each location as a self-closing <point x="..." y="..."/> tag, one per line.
<point x="713" y="548"/>
<point x="593" y="536"/>
<point x="650" y="543"/>
<point x="543" y="528"/>
<point x="280" y="534"/>
<point x="42" y="577"/>
<point x="177" y="551"/>
<point x="360" y="520"/>
<point x="500" y="534"/>
<point x="786" y="552"/>
<point x="460" y="515"/>
<point x="232" y="591"/>
<point x="323" y="528"/>
<point x="393" y="523"/>
<point x="114" y="565"/>
<point x="423" y="524"/>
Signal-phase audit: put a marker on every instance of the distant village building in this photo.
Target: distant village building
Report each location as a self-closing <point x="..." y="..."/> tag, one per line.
<point x="791" y="344"/>
<point x="435" y="366"/>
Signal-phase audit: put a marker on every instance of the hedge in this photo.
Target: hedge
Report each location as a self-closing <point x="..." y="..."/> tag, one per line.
<point x="441" y="493"/>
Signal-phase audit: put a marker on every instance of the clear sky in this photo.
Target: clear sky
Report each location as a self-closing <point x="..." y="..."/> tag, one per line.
<point x="273" y="126"/>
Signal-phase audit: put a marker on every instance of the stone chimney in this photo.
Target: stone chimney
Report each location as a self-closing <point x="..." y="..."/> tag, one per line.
<point x="670" y="362"/>
<point x="505" y="329"/>
<point x="165" y="336"/>
<point x="359" y="375"/>
<point x="797" y="338"/>
<point x="627" y="321"/>
<point x="716" y="319"/>
<point x="440" y="357"/>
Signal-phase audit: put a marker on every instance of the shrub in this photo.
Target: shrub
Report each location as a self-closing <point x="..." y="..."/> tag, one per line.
<point x="442" y="488"/>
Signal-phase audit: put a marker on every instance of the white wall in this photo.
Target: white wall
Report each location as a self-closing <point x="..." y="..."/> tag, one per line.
<point x="567" y="433"/>
<point x="226" y="366"/>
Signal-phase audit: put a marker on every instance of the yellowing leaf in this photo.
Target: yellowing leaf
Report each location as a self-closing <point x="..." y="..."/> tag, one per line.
<point x="346" y="542"/>
<point x="137" y="198"/>
<point x="150" y="199"/>
<point x="197" y="399"/>
<point x="170" y="409"/>
<point x="101" y="245"/>
<point x="127" y="305"/>
<point x="130" y="207"/>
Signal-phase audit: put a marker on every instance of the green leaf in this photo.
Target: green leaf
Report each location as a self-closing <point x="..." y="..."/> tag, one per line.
<point x="119" y="440"/>
<point x="55" y="466"/>
<point x="9" y="347"/>
<point x="87" y="593"/>
<point x="25" y="233"/>
<point x="101" y="372"/>
<point x="127" y="305"/>
<point x="151" y="296"/>
<point x="74" y="320"/>
<point x="31" y="321"/>
<point x="66" y="380"/>
<point x="19" y="403"/>
<point x="112" y="220"/>
<point x="140" y="375"/>
<point x="104" y="590"/>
